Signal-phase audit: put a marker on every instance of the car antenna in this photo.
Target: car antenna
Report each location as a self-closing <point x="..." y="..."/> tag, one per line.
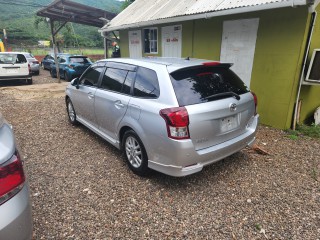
<point x="187" y="58"/>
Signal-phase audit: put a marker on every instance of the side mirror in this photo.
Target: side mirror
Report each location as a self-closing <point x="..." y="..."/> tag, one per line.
<point x="75" y="83"/>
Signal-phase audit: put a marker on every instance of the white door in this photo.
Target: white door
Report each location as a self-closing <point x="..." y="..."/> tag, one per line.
<point x="135" y="47"/>
<point x="238" y="46"/>
<point x="171" y="41"/>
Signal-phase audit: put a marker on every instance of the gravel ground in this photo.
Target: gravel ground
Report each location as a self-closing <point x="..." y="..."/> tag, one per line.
<point x="82" y="189"/>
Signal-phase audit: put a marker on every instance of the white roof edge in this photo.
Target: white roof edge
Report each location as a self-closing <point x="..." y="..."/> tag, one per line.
<point x="292" y="3"/>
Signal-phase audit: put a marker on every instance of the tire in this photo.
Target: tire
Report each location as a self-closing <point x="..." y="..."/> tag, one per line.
<point x="135" y="153"/>
<point x="72" y="116"/>
<point x="51" y="73"/>
<point x="29" y="81"/>
<point x="36" y="73"/>
<point x="66" y="77"/>
<point x="42" y="66"/>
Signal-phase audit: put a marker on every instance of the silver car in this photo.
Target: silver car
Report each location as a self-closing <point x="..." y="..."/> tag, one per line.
<point x="171" y="115"/>
<point x="15" y="207"/>
<point x="33" y="62"/>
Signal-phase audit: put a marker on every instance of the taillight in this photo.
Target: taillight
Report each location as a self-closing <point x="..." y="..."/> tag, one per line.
<point x="35" y="62"/>
<point x="11" y="178"/>
<point x="255" y="102"/>
<point x="177" y="120"/>
<point x="211" y="63"/>
<point x="71" y="66"/>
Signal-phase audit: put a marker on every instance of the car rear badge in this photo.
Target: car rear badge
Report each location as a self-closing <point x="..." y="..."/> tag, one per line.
<point x="233" y="107"/>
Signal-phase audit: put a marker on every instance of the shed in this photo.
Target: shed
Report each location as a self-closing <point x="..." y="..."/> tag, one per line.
<point x="270" y="43"/>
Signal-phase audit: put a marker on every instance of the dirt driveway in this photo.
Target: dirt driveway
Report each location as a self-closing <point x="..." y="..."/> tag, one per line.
<point x="82" y="189"/>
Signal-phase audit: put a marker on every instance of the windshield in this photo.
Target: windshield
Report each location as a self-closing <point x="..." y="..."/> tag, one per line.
<point x="205" y="84"/>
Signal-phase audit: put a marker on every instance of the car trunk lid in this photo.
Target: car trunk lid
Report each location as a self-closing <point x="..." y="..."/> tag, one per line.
<point x="219" y="104"/>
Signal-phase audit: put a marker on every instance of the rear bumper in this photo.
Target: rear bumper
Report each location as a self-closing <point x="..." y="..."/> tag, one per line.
<point x="205" y="156"/>
<point x="16" y="218"/>
<point x="25" y="77"/>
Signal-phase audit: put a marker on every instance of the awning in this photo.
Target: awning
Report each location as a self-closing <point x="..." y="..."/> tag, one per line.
<point x="68" y="11"/>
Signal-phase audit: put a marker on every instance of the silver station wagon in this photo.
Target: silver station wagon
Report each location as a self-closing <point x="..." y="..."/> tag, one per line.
<point x="168" y="114"/>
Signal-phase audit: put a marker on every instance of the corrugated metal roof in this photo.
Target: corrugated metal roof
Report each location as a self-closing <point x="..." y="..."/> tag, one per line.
<point x="142" y="12"/>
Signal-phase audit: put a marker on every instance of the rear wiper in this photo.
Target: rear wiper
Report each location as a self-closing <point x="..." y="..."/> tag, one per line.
<point x="225" y="94"/>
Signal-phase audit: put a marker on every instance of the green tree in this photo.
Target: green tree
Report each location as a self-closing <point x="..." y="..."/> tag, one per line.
<point x="126" y="3"/>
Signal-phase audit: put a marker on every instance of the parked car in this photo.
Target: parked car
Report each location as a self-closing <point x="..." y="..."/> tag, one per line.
<point x="14" y="66"/>
<point x="70" y="66"/>
<point x="171" y="115"/>
<point x="49" y="59"/>
<point x="15" y="206"/>
<point x="33" y="62"/>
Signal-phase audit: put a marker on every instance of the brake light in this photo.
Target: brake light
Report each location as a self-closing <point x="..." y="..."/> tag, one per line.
<point x="177" y="120"/>
<point x="71" y="66"/>
<point x="211" y="63"/>
<point x="255" y="102"/>
<point x="11" y="178"/>
<point x="35" y="62"/>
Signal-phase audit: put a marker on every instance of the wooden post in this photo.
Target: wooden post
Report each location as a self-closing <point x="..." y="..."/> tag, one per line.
<point x="55" y="49"/>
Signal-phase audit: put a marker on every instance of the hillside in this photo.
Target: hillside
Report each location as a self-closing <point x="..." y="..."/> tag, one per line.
<point x="18" y="19"/>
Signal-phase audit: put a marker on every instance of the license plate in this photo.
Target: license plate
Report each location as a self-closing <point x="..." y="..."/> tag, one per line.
<point x="229" y="123"/>
<point x="12" y="71"/>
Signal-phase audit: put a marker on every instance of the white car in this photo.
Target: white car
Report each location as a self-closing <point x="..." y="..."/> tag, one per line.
<point x="14" y="66"/>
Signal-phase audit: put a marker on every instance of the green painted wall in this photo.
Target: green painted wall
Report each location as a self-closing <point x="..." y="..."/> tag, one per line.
<point x="310" y="95"/>
<point x="124" y="43"/>
<point x="277" y="63"/>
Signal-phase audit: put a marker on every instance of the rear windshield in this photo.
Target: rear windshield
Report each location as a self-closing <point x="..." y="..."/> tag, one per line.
<point x="12" y="58"/>
<point x="205" y="84"/>
<point x="79" y="60"/>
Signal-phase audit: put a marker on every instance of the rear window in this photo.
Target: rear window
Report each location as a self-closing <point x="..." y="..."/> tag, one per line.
<point x="79" y="60"/>
<point x="12" y="58"/>
<point x="205" y="84"/>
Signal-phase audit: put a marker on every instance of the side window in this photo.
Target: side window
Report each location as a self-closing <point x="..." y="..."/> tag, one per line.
<point x="62" y="60"/>
<point x="91" y="76"/>
<point x="113" y="79"/>
<point x="128" y="82"/>
<point x="146" y="84"/>
<point x="21" y="59"/>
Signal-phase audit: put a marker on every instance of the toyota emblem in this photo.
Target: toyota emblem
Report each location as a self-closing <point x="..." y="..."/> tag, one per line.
<point x="233" y="107"/>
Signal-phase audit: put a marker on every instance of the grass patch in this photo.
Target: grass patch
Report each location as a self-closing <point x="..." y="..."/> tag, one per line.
<point x="304" y="130"/>
<point x="310" y="131"/>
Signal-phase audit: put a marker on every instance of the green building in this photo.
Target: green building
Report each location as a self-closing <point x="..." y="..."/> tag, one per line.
<point x="269" y="42"/>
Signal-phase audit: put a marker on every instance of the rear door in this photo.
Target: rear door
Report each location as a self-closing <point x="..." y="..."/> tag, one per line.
<point x="112" y="97"/>
<point x="218" y="103"/>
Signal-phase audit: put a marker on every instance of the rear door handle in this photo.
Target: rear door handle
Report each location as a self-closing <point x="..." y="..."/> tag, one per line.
<point x="119" y="104"/>
<point x="90" y="95"/>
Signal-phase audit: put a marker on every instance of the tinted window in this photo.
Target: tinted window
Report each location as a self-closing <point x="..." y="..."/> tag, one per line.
<point x="113" y="79"/>
<point x="79" y="60"/>
<point x="204" y="84"/>
<point x="146" y="84"/>
<point x="21" y="59"/>
<point x="128" y="82"/>
<point x="91" y="77"/>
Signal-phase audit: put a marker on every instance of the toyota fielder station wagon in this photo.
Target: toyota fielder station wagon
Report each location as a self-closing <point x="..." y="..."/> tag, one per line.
<point x="168" y="114"/>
